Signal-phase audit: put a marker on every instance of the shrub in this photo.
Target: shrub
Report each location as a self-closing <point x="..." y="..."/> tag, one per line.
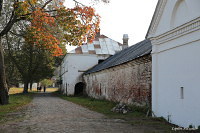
<point x="198" y="128"/>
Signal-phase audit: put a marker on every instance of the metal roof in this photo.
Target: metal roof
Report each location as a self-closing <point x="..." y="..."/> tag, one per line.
<point x="140" y="49"/>
<point x="101" y="45"/>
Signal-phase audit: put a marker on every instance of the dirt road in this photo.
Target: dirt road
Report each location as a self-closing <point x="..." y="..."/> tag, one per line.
<point x="50" y="114"/>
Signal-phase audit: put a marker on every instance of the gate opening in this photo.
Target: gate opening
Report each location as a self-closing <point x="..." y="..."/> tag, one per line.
<point x="79" y="88"/>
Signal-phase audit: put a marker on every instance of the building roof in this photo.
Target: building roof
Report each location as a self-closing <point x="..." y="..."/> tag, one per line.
<point x="154" y="17"/>
<point x="140" y="49"/>
<point x="102" y="45"/>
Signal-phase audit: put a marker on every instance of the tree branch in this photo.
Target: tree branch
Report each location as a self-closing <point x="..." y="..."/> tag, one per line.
<point x="9" y="25"/>
<point x="32" y="7"/>
<point x="1" y="6"/>
<point x="46" y="4"/>
<point x="20" y="35"/>
<point x="23" y="17"/>
<point x="78" y="2"/>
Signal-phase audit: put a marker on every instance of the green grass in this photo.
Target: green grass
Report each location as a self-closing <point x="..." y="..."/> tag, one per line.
<point x="16" y="101"/>
<point x="100" y="106"/>
<point x="136" y="118"/>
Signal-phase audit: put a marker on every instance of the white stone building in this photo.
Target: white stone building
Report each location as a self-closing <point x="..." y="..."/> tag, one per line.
<point x="78" y="61"/>
<point x="175" y="36"/>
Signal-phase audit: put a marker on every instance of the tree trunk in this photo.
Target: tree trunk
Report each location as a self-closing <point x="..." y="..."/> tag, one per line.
<point x="3" y="85"/>
<point x="26" y="86"/>
<point x="31" y="85"/>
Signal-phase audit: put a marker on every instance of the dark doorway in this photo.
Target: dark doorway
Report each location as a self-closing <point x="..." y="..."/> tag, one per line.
<point x="79" y="88"/>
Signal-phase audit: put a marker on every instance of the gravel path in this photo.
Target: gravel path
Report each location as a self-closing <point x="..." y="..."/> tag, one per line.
<point x="50" y="114"/>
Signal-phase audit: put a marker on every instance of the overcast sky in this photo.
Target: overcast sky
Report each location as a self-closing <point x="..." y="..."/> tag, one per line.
<point x="120" y="17"/>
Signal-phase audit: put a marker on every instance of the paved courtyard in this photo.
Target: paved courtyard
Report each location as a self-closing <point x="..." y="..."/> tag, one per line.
<point x="50" y="114"/>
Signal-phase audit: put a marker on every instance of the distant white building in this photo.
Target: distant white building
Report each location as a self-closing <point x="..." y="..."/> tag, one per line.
<point x="79" y="60"/>
<point x="56" y="78"/>
<point x="34" y="85"/>
<point x="175" y="35"/>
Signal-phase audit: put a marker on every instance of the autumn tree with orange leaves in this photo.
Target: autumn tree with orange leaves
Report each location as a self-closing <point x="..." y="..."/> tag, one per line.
<point x="49" y="24"/>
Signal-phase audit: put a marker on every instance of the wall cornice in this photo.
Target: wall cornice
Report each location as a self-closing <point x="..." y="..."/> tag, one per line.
<point x="157" y="17"/>
<point x="177" y="32"/>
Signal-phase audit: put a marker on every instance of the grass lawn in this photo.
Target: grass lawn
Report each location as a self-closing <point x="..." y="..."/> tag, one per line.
<point x="15" y="90"/>
<point x="51" y="89"/>
<point x="136" y="118"/>
<point x="20" y="90"/>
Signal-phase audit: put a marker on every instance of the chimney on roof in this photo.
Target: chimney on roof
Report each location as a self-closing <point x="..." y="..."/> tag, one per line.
<point x="98" y="33"/>
<point x="125" y="41"/>
<point x="96" y="36"/>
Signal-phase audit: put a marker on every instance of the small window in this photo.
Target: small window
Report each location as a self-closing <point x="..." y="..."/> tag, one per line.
<point x="100" y="88"/>
<point x="182" y="93"/>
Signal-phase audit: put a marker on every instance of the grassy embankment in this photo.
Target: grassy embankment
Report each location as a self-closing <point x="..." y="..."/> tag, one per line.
<point x="136" y="118"/>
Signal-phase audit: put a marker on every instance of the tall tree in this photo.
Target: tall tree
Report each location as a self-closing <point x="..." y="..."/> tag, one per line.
<point x="43" y="17"/>
<point x="13" y="77"/>
<point x="33" y="63"/>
